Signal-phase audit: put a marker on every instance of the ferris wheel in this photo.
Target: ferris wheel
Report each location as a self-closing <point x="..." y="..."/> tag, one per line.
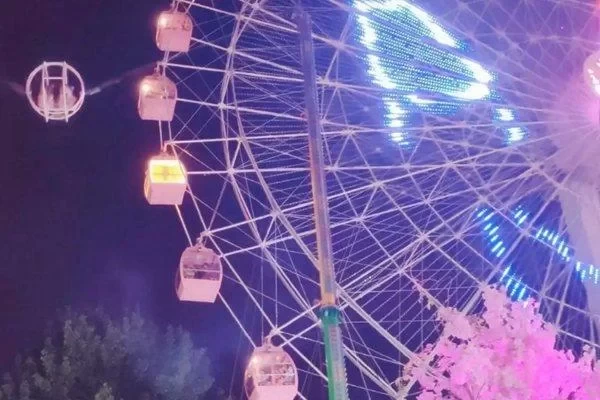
<point x="459" y="149"/>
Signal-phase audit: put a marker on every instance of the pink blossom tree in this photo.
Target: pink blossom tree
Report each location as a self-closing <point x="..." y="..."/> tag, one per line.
<point x="506" y="353"/>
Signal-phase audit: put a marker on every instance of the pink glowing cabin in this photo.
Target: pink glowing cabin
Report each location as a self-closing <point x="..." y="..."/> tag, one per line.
<point x="174" y="31"/>
<point x="199" y="275"/>
<point x="157" y="99"/>
<point x="271" y="375"/>
<point x="166" y="180"/>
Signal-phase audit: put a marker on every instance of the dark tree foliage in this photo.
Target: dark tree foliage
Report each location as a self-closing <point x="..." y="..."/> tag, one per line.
<point x="94" y="357"/>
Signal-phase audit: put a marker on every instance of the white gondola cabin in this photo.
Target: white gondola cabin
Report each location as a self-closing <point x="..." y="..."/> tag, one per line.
<point x="157" y="98"/>
<point x="271" y="375"/>
<point x="174" y="31"/>
<point x="166" y="180"/>
<point x="199" y="275"/>
<point x="591" y="72"/>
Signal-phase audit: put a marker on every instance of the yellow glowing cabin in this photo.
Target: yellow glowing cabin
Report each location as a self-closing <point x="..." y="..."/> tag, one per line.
<point x="166" y="181"/>
<point x="174" y="31"/>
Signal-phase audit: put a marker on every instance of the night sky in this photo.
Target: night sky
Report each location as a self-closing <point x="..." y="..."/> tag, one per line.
<point x="75" y="227"/>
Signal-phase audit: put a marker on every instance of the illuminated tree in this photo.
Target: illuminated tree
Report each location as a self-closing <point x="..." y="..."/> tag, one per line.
<point x="508" y="352"/>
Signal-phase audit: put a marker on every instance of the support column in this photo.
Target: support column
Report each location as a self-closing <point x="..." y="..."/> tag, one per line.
<point x="330" y="313"/>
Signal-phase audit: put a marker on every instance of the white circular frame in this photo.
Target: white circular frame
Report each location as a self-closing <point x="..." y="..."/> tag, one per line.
<point x="67" y="71"/>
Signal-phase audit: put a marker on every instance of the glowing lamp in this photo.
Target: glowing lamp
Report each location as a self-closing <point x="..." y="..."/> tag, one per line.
<point x="174" y="31"/>
<point x="163" y="21"/>
<point x="166" y="181"/>
<point x="145" y="88"/>
<point x="157" y="98"/>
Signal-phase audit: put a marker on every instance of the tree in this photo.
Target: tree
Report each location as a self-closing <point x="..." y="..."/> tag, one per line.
<point x="95" y="357"/>
<point x="508" y="352"/>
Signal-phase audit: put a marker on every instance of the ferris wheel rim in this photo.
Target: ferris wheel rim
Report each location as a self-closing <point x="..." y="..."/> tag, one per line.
<point x="267" y="190"/>
<point x="229" y="78"/>
<point x="228" y="134"/>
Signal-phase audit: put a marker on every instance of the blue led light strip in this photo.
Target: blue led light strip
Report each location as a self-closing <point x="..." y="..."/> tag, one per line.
<point x="516" y="288"/>
<point x="519" y="290"/>
<point x="514" y="284"/>
<point x="424" y="57"/>
<point x="553" y="239"/>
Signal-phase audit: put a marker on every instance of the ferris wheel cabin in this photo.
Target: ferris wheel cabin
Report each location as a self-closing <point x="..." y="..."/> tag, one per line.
<point x="166" y="180"/>
<point x="55" y="90"/>
<point x="271" y="375"/>
<point x="199" y="275"/>
<point x="157" y="98"/>
<point x="591" y="72"/>
<point x="174" y="31"/>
